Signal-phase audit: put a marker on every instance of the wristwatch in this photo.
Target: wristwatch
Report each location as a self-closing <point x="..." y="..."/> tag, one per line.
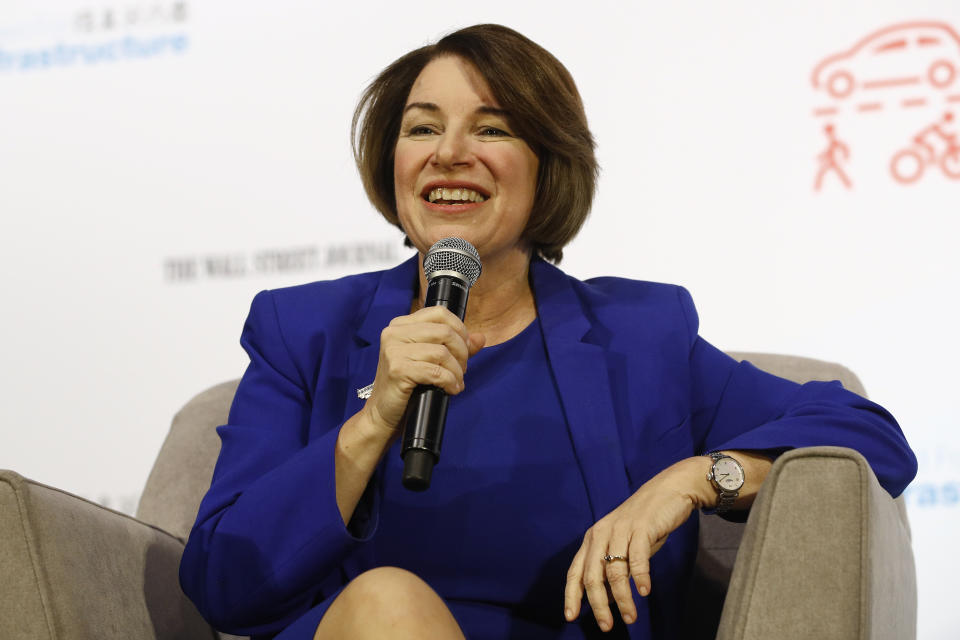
<point x="727" y="477"/>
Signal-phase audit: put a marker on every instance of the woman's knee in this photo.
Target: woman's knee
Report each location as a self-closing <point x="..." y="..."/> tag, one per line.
<point x="388" y="599"/>
<point x="392" y="588"/>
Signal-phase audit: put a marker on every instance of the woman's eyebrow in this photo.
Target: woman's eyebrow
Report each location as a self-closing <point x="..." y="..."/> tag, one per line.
<point x="430" y="106"/>
<point x="494" y="111"/>
<point x="426" y="106"/>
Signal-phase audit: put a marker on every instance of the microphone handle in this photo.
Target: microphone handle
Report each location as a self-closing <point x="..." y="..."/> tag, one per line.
<point x="426" y="412"/>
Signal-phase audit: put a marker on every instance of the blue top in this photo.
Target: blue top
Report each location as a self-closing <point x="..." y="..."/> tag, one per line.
<point x="509" y="467"/>
<point x="639" y="389"/>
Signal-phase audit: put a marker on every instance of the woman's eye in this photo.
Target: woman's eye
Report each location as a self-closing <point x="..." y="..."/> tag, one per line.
<point x="493" y="131"/>
<point x="420" y="130"/>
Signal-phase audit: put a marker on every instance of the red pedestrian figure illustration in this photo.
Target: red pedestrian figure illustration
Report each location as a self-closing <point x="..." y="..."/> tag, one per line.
<point x="831" y="157"/>
<point x="908" y="165"/>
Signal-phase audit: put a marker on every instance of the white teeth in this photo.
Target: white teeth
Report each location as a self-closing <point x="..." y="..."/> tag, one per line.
<point x="459" y="193"/>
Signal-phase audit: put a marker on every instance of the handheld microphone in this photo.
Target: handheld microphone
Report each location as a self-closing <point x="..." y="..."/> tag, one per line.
<point x="451" y="267"/>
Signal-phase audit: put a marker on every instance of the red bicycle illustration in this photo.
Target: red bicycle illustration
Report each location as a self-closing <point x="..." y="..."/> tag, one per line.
<point x="908" y="165"/>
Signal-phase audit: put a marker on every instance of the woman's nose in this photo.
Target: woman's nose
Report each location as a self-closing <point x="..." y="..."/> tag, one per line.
<point x="452" y="149"/>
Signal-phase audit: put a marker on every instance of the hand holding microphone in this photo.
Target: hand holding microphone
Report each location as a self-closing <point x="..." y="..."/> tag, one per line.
<point x="423" y="357"/>
<point x="451" y="267"/>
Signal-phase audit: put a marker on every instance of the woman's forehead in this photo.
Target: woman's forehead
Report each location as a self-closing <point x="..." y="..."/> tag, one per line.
<point x="450" y="80"/>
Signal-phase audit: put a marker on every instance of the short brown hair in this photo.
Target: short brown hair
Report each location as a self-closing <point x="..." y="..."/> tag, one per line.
<point x="545" y="111"/>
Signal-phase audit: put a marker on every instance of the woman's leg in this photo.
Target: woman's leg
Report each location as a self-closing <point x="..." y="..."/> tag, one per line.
<point x="387" y="602"/>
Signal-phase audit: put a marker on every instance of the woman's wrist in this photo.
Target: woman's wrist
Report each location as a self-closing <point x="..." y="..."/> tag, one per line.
<point x="693" y="473"/>
<point x="372" y="426"/>
<point x="702" y="490"/>
<point x="360" y="446"/>
<point x="689" y="478"/>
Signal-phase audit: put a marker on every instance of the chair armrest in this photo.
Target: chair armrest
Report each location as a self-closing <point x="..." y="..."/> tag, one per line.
<point x="74" y="569"/>
<point x="826" y="553"/>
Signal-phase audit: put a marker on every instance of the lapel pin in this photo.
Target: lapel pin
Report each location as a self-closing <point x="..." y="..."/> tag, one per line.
<point x="364" y="392"/>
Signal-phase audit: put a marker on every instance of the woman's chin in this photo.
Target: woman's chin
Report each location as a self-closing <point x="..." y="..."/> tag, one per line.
<point x="439" y="233"/>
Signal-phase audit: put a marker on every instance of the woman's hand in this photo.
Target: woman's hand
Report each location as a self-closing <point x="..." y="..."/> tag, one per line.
<point x="430" y="347"/>
<point x="635" y="530"/>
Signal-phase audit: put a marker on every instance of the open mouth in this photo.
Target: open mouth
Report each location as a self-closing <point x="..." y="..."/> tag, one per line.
<point x="453" y="195"/>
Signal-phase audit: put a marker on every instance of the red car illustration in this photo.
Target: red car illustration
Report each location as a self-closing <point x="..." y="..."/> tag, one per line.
<point x="905" y="54"/>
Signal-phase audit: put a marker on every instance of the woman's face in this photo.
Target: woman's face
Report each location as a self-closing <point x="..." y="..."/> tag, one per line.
<point x="458" y="168"/>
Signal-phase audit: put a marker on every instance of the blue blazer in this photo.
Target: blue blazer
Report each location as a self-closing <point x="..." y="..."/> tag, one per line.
<point x="639" y="388"/>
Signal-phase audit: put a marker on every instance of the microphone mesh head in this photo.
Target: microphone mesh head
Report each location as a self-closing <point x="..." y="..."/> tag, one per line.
<point x="453" y="254"/>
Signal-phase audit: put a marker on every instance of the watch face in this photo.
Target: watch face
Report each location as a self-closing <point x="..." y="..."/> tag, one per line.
<point x="728" y="474"/>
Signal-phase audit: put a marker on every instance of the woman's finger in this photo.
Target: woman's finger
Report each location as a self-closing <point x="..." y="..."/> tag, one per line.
<point x="428" y="333"/>
<point x="407" y="365"/>
<point x="617" y="572"/>
<point x="436" y="315"/>
<point x="640" y="563"/>
<point x="595" y="579"/>
<point x="656" y="545"/>
<point x="437" y="375"/>
<point x="417" y="364"/>
<point x="476" y="342"/>
<point x="573" y="591"/>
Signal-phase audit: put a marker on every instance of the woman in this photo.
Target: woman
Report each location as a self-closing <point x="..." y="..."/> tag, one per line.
<point x="574" y="446"/>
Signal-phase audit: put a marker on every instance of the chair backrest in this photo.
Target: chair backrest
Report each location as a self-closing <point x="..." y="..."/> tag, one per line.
<point x="182" y="472"/>
<point x="801" y="369"/>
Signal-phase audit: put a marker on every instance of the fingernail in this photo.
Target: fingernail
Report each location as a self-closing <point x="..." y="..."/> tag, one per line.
<point x="568" y="613"/>
<point x="644" y="591"/>
<point x="628" y="618"/>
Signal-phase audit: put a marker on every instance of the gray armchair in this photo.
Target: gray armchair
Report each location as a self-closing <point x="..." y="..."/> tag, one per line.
<point x="824" y="558"/>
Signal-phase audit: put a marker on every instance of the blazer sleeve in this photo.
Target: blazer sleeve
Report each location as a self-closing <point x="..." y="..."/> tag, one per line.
<point x="269" y="537"/>
<point x="737" y="406"/>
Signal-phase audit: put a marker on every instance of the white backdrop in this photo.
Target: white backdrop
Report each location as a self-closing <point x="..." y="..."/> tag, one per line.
<point x="161" y="162"/>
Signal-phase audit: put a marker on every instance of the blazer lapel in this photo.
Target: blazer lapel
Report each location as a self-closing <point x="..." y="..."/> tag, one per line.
<point x="580" y="369"/>
<point x="391" y="299"/>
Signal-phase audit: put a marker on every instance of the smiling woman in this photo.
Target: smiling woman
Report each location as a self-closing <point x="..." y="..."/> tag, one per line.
<point x="592" y="423"/>
<point x="542" y="109"/>
<point x="456" y="140"/>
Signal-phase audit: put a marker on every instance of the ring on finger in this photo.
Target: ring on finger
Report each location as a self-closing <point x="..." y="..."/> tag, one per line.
<point x="610" y="558"/>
